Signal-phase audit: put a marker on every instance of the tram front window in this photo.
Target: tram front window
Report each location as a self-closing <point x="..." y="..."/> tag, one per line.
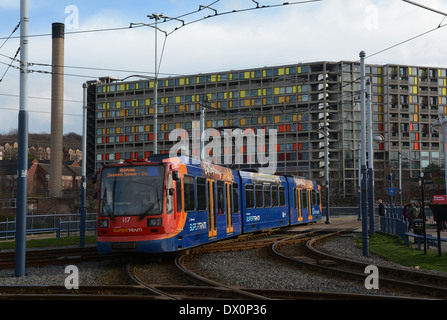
<point x="131" y="191"/>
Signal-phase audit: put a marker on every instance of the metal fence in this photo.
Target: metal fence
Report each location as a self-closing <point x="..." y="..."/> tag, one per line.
<point x="60" y="224"/>
<point x="394" y="223"/>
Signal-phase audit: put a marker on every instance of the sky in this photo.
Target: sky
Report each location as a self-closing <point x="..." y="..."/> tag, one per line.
<point x="303" y="31"/>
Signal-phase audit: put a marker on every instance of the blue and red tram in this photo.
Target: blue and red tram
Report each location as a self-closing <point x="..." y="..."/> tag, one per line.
<point x="170" y="204"/>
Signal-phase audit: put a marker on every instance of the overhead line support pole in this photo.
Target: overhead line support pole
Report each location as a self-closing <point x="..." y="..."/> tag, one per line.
<point x="365" y="239"/>
<point x="22" y="164"/>
<point x="83" y="210"/>
<point x="370" y="159"/>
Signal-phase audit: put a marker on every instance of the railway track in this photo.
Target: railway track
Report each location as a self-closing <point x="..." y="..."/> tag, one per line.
<point x="54" y="256"/>
<point x="300" y="239"/>
<point x="172" y="280"/>
<point x="108" y="292"/>
<point x="414" y="283"/>
<point x="178" y="279"/>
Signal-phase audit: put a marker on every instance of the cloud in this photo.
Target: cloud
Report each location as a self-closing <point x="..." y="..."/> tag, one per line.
<point x="9" y="4"/>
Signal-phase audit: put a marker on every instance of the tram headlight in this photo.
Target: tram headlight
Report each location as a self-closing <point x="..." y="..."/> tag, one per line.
<point x="154" y="222"/>
<point x="103" y="223"/>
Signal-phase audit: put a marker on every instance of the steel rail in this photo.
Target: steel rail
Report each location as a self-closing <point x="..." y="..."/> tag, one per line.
<point x="132" y="275"/>
<point x="433" y="285"/>
<point x="106" y="292"/>
<point x="242" y="293"/>
<point x="54" y="256"/>
<point x="328" y="263"/>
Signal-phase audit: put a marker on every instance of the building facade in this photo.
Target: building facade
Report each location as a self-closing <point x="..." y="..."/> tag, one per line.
<point x="297" y="100"/>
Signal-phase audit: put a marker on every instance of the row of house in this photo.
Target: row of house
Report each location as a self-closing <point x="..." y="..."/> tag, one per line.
<point x="9" y="152"/>
<point x="39" y="177"/>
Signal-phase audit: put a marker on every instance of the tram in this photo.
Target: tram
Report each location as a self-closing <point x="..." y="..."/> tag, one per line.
<point x="167" y="204"/>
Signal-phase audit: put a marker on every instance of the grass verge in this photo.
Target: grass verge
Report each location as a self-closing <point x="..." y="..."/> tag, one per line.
<point x="51" y="242"/>
<point x="392" y="248"/>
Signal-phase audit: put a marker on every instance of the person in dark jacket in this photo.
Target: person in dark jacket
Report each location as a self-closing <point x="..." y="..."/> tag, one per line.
<point x="381" y="208"/>
<point x="407" y="212"/>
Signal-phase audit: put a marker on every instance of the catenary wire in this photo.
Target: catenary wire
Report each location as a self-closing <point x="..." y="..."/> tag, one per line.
<point x="139" y="26"/>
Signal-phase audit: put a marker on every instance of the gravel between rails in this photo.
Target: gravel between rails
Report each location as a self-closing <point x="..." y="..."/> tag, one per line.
<point x="250" y="269"/>
<point x="90" y="273"/>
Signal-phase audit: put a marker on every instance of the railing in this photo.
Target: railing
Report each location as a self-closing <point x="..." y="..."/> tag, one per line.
<point x="61" y="224"/>
<point x="394" y="223"/>
<point x="8" y="203"/>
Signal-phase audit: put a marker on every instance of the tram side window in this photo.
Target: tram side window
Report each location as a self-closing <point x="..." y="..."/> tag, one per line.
<point x="201" y="194"/>
<point x="304" y="198"/>
<point x="282" y="197"/>
<point x="267" y="196"/>
<point x="274" y="196"/>
<point x="220" y="197"/>
<point x="313" y="197"/>
<point x="235" y="198"/>
<point x="258" y="195"/>
<point x="188" y="193"/>
<point x="170" y="197"/>
<point x="249" y="196"/>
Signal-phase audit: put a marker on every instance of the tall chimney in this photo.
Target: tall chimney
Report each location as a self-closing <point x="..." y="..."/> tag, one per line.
<point x="57" y="110"/>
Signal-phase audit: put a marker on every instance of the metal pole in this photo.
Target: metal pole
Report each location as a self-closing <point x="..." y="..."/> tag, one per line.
<point x="202" y="129"/>
<point x="391" y="198"/>
<point x="422" y="211"/>
<point x="370" y="158"/>
<point x="84" y="166"/>
<point x="156" y="17"/>
<point x="359" y="186"/>
<point x="22" y="164"/>
<point x="365" y="239"/>
<point x="326" y="159"/>
<point x="444" y="143"/>
<point x="399" y="155"/>
<point x="442" y="122"/>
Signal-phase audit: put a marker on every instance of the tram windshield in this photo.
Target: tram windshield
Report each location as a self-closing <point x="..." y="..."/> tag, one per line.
<point x="131" y="191"/>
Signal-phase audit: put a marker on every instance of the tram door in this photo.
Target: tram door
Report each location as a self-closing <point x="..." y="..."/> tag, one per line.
<point x="298" y="204"/>
<point x="212" y="222"/>
<point x="229" y="211"/>
<point x="305" y="203"/>
<point x="309" y="204"/>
